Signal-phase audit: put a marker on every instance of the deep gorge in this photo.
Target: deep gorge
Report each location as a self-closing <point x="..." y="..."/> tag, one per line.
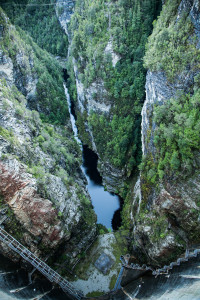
<point x="135" y="96"/>
<point x="109" y="217"/>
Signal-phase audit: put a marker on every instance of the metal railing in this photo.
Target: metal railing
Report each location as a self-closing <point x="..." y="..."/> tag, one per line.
<point x="39" y="264"/>
<point x="165" y="269"/>
<point x="53" y="276"/>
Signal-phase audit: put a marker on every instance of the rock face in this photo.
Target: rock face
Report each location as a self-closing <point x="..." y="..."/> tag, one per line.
<point x="65" y="9"/>
<point x="6" y="70"/>
<point x="37" y="215"/>
<point x="193" y="8"/>
<point x="13" y="71"/>
<point x="157" y="92"/>
<point x="94" y="98"/>
<point x="41" y="182"/>
<point x="169" y="221"/>
<point x="109" y="50"/>
<point x="25" y="83"/>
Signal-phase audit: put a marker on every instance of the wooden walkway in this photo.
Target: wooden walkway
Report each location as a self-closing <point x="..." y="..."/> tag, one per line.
<point x="39" y="264"/>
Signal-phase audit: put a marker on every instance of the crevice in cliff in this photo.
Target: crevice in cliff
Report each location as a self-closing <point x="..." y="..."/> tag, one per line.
<point x="89" y="168"/>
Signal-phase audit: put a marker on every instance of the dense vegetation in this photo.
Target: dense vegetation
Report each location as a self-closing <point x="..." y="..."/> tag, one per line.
<point x="40" y="22"/>
<point x="172" y="49"/>
<point x="44" y="69"/>
<point x="176" y="138"/>
<point x="126" y="24"/>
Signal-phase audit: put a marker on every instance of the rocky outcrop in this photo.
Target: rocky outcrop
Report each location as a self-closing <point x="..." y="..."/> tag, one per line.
<point x="6" y="67"/>
<point x="64" y="10"/>
<point x="47" y="208"/>
<point x="20" y="69"/>
<point x="113" y="178"/>
<point x="35" y="214"/>
<point x="86" y="96"/>
<point x="26" y="83"/>
<point x="41" y="182"/>
<point x="109" y="51"/>
<point x="157" y="92"/>
<point x="170" y="221"/>
<point x="170" y="225"/>
<point x="14" y="73"/>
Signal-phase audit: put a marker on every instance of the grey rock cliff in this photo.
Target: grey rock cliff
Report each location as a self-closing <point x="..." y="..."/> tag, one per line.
<point x="193" y="8"/>
<point x="6" y="67"/>
<point x="65" y="9"/>
<point x="174" y="201"/>
<point x="33" y="200"/>
<point x="157" y="92"/>
<point x="26" y="83"/>
<point x="44" y="197"/>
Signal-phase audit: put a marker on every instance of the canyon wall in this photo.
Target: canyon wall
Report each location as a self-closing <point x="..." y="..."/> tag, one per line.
<point x="166" y="220"/>
<point x="41" y="183"/>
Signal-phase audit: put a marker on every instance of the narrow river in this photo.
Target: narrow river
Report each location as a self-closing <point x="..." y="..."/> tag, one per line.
<point x="106" y="205"/>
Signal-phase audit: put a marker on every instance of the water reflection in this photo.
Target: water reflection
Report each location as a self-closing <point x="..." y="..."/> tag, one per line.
<point x="105" y="203"/>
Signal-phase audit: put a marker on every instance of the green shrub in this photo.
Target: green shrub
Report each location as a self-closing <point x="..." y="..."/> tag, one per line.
<point x="172" y="47"/>
<point x="176" y="139"/>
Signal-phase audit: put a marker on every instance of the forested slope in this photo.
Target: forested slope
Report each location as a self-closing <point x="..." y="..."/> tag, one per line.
<point x="166" y="212"/>
<point x="114" y="51"/>
<point x="39" y="20"/>
<point x="108" y="44"/>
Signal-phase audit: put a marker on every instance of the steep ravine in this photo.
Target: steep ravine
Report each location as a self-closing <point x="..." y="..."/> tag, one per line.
<point x="42" y="185"/>
<point x="101" y="82"/>
<point x="110" y="218"/>
<point x="163" y="209"/>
